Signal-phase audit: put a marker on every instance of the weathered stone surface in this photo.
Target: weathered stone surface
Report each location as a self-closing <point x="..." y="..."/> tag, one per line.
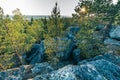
<point x="112" y="42"/>
<point x="107" y="69"/>
<point x="103" y="67"/>
<point x="115" y="33"/>
<point x="36" y="54"/>
<point x="42" y="68"/>
<point x="14" y="74"/>
<point x="76" y="55"/>
<point x="109" y="57"/>
<point x="72" y="31"/>
<point x="65" y="47"/>
<point x="112" y="45"/>
<point x="93" y="70"/>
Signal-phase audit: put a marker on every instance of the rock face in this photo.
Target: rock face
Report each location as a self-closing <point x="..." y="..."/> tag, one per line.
<point x="112" y="42"/>
<point x="65" y="47"/>
<point x="115" y="33"/>
<point x="42" y="68"/>
<point x="93" y="70"/>
<point x="112" y="45"/>
<point x="36" y="53"/>
<point x="15" y="74"/>
<point x="109" y="57"/>
<point x="76" y="55"/>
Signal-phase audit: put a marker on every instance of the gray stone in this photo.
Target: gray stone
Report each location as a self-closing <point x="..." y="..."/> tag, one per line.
<point x="36" y="54"/>
<point x="76" y="55"/>
<point x="115" y="33"/>
<point x="72" y="31"/>
<point x="93" y="70"/>
<point x="107" y="69"/>
<point x="109" y="57"/>
<point x="65" y="47"/>
<point x="42" y="68"/>
<point x="12" y="74"/>
<point x="112" y="46"/>
<point x="112" y="42"/>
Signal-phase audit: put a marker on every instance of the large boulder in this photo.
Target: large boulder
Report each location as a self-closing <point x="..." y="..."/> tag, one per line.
<point x="109" y="57"/>
<point x="115" y="33"/>
<point x="26" y="72"/>
<point x="112" y="45"/>
<point x="36" y="54"/>
<point x="65" y="48"/>
<point x="108" y="70"/>
<point x="93" y="70"/>
<point x="115" y="59"/>
<point x="42" y="68"/>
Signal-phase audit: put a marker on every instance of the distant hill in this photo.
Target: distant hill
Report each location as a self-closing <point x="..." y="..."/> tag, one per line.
<point x="28" y="17"/>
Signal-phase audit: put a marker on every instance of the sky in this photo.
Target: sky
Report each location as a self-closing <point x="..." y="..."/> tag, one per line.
<point x="39" y="7"/>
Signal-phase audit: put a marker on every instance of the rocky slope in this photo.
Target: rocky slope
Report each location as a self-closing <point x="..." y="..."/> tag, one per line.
<point x="102" y="67"/>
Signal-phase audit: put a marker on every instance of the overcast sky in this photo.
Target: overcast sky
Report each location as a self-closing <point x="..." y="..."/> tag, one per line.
<point x="38" y="7"/>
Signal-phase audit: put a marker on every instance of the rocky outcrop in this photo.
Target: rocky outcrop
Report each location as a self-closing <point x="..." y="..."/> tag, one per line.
<point x="112" y="45"/>
<point x="36" y="54"/>
<point x="25" y="72"/>
<point x="115" y="33"/>
<point x="65" y="47"/>
<point x="15" y="73"/>
<point x="102" y="67"/>
<point x="109" y="57"/>
<point x="42" y="68"/>
<point x="93" y="70"/>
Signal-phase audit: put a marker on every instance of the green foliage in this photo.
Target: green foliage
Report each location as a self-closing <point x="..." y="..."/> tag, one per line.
<point x="89" y="45"/>
<point x="53" y="29"/>
<point x="6" y="61"/>
<point x="17" y="37"/>
<point x="54" y="24"/>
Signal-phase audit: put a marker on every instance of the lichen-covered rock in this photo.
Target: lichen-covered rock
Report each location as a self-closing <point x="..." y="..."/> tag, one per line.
<point x="93" y="70"/>
<point x="109" y="57"/>
<point x="115" y="33"/>
<point x="36" y="54"/>
<point x="14" y="74"/>
<point x="76" y="55"/>
<point x="42" y="68"/>
<point x="112" y="42"/>
<point x="65" y="47"/>
<point x="107" y="69"/>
